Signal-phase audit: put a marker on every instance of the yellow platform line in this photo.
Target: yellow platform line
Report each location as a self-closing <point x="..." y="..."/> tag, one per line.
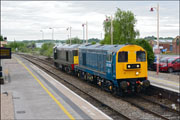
<point x="164" y="81"/>
<point x="49" y="93"/>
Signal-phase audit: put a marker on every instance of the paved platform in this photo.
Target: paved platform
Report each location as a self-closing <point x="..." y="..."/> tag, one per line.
<point x="165" y="81"/>
<point x="36" y="95"/>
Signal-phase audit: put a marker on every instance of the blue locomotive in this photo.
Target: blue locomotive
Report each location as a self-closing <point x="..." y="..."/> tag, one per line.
<point x="116" y="68"/>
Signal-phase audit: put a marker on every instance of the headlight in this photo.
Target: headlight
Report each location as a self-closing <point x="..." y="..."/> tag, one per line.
<point x="137" y="66"/>
<point x="129" y="66"/>
<point x="137" y="73"/>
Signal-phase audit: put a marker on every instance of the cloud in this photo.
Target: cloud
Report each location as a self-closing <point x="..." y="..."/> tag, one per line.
<point x="24" y="19"/>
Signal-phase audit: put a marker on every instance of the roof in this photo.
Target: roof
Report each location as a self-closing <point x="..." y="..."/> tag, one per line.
<point x="68" y="47"/>
<point x="164" y="41"/>
<point x="109" y="48"/>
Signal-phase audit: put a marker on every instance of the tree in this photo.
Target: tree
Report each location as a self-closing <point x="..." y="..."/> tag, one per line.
<point x="1" y="38"/>
<point x="150" y="54"/>
<point x="93" y="42"/>
<point x="75" y="40"/>
<point x="123" y="28"/>
<point x="47" y="49"/>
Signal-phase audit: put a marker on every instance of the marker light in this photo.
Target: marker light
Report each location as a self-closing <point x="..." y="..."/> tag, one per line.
<point x="137" y="73"/>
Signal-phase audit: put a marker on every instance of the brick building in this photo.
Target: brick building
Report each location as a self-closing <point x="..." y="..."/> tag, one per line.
<point x="165" y="44"/>
<point x="176" y="45"/>
<point x="172" y="46"/>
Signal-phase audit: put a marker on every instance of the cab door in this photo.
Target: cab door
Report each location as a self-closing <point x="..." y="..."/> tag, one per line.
<point x="109" y="68"/>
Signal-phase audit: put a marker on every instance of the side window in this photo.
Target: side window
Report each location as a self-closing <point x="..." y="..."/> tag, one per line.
<point x="109" y="57"/>
<point x="123" y="57"/>
<point x="140" y="56"/>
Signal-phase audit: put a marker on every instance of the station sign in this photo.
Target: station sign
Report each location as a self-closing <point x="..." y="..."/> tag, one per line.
<point x="5" y="53"/>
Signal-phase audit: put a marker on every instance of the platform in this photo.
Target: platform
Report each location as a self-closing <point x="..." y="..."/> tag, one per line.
<point x="36" y="95"/>
<point x="165" y="80"/>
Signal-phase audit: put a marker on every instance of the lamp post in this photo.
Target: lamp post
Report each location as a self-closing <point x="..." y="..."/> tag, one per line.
<point x="52" y="32"/>
<point x="69" y="28"/>
<point x="158" y="51"/>
<point x="42" y="34"/>
<point x="86" y="32"/>
<point x="83" y="25"/>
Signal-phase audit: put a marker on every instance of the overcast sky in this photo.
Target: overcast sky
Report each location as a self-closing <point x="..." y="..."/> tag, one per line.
<point x="21" y="20"/>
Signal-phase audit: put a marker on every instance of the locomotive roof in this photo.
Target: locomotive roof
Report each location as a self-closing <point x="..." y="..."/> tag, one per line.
<point x="68" y="47"/>
<point x="109" y="48"/>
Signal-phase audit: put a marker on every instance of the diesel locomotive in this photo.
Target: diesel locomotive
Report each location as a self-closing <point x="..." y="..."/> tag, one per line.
<point x="116" y="68"/>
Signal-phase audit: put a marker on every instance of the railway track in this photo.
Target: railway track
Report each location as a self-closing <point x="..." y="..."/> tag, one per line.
<point x="154" y="108"/>
<point x="158" y="110"/>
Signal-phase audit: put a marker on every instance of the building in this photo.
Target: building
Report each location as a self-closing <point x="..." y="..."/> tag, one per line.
<point x="163" y="44"/>
<point x="176" y="45"/>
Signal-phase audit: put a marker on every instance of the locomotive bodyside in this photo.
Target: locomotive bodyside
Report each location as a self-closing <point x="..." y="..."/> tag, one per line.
<point x="108" y="66"/>
<point x="66" y="57"/>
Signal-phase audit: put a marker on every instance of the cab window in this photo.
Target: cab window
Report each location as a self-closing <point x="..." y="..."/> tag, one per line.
<point x="75" y="53"/>
<point x="140" y="56"/>
<point x="123" y="57"/>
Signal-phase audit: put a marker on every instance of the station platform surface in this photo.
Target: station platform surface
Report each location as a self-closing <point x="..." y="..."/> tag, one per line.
<point x="36" y="95"/>
<point x="165" y="80"/>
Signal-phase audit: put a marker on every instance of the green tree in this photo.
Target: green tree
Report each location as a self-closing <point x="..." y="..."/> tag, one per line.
<point x="123" y="28"/>
<point x="150" y="54"/>
<point x="75" y="40"/>
<point x="47" y="49"/>
<point x="1" y="38"/>
<point x="93" y="42"/>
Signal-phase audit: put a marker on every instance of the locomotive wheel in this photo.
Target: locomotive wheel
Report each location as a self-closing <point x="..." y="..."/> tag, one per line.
<point x="114" y="91"/>
<point x="85" y="76"/>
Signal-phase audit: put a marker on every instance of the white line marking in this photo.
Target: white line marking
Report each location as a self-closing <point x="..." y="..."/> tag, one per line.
<point x="177" y="91"/>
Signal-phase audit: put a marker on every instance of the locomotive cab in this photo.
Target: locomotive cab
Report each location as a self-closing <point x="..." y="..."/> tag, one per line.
<point x="131" y="68"/>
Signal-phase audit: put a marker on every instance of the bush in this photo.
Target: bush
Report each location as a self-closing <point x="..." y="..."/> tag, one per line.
<point x="150" y="54"/>
<point x="47" y="49"/>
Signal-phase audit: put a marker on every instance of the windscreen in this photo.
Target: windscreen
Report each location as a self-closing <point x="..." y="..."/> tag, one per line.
<point x="163" y="60"/>
<point x="140" y="56"/>
<point x="123" y="56"/>
<point x="170" y="60"/>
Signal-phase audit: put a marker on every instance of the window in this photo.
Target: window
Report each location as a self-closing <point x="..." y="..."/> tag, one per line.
<point x="75" y="53"/>
<point x="123" y="57"/>
<point x="178" y="61"/>
<point x="140" y="56"/>
<point x="67" y="56"/>
<point x="170" y="60"/>
<point x="109" y="57"/>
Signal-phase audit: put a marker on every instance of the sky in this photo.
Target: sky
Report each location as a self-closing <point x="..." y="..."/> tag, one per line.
<point x="23" y="20"/>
